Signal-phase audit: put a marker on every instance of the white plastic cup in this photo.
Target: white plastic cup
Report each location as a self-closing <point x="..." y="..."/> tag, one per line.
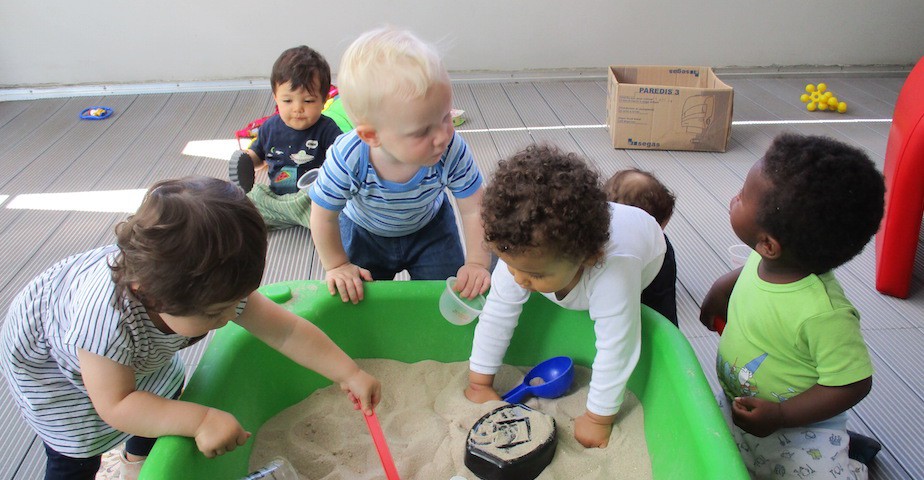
<point x="458" y="310"/>
<point x="738" y="255"/>
<point x="307" y="179"/>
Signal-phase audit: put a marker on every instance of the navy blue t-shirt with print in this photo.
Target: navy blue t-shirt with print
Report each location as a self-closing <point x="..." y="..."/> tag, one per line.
<point x="289" y="153"/>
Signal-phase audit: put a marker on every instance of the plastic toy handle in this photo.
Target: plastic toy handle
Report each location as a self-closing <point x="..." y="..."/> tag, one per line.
<point x="517" y="394"/>
<point x="372" y="421"/>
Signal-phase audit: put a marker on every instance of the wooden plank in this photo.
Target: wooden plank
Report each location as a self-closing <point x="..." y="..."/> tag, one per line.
<point x="531" y="108"/>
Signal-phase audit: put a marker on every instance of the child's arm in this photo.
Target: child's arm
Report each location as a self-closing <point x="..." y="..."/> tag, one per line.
<point x="715" y="303"/>
<point x="481" y="388"/>
<point x="341" y="275"/>
<point x="473" y="277"/>
<point x="111" y="387"/>
<point x="310" y="347"/>
<point x="762" y="417"/>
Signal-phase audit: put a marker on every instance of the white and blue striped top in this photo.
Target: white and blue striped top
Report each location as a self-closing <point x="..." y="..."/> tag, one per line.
<point x="70" y="306"/>
<point x="348" y="182"/>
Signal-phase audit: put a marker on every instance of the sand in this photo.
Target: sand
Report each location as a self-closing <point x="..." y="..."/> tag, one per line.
<point x="426" y="419"/>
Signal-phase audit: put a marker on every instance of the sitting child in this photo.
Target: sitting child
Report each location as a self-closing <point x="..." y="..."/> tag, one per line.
<point x="290" y="143"/>
<point x="380" y="205"/>
<point x="89" y="346"/>
<point x="792" y="359"/>
<point x="546" y="217"/>
<point x="643" y="190"/>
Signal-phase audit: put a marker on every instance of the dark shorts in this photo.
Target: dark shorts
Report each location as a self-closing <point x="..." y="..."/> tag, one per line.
<point x="661" y="293"/>
<point x="432" y="253"/>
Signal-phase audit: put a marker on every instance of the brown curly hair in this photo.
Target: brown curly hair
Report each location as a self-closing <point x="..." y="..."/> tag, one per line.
<point x="193" y="243"/>
<point x="542" y="198"/>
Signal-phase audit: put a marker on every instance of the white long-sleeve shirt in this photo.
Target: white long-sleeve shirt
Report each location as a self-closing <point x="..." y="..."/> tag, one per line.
<point x="610" y="292"/>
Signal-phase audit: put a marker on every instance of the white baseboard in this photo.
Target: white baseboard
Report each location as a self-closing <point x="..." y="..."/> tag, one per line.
<point x="61" y="91"/>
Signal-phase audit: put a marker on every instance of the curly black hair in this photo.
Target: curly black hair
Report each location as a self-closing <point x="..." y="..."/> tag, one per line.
<point x="826" y="200"/>
<point x="546" y="199"/>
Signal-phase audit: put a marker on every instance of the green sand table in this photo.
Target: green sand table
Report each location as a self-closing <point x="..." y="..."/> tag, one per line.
<point x="686" y="435"/>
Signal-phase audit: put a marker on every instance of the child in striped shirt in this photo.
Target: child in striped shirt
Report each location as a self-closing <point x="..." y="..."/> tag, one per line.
<point x="379" y="205"/>
<point x="89" y="347"/>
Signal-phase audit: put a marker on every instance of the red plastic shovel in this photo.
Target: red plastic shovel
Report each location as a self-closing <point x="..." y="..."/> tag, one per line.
<point x="391" y="473"/>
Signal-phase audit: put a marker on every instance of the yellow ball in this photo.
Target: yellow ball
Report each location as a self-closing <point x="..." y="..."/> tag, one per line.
<point x="827" y="95"/>
<point x="822" y="87"/>
<point x="810" y="88"/>
<point x="832" y="102"/>
<point x="822" y="106"/>
<point x="842" y="107"/>
<point x="804" y="98"/>
<point x="811" y="106"/>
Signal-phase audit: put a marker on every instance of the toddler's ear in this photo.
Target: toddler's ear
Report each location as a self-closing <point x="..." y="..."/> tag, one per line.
<point x="768" y="247"/>
<point x="368" y="134"/>
<point x="593" y="259"/>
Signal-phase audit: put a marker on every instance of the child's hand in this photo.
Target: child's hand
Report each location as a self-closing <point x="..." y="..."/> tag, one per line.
<point x="219" y="433"/>
<point x="472" y="280"/>
<point x="481" y="393"/>
<point x="715" y="303"/>
<point x="348" y="280"/>
<point x="481" y="388"/>
<point x="364" y="391"/>
<point x="756" y="416"/>
<point x="592" y="430"/>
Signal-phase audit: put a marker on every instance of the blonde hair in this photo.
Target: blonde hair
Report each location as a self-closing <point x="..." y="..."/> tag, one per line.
<point x="386" y="63"/>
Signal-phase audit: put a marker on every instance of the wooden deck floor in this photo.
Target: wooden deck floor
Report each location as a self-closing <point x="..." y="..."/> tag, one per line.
<point x="67" y="181"/>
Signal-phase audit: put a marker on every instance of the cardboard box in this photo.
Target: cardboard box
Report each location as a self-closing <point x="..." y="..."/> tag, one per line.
<point x="668" y="108"/>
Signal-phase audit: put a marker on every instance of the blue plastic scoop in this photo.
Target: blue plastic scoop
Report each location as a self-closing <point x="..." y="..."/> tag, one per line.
<point x="549" y="379"/>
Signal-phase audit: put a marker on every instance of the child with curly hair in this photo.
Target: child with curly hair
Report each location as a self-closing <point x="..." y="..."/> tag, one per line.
<point x="643" y="190"/>
<point x="380" y="203"/>
<point x="89" y="347"/>
<point x="547" y="219"/>
<point x="792" y="360"/>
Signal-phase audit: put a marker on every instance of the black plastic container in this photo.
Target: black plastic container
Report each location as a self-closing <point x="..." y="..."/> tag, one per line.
<point x="510" y="426"/>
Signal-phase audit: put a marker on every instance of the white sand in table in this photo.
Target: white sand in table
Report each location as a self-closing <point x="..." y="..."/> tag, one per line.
<point x="426" y="419"/>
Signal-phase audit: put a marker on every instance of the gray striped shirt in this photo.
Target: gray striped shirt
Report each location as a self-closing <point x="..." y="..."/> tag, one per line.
<point x="72" y="306"/>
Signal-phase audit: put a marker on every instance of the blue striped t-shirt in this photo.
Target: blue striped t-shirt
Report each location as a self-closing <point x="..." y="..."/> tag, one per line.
<point x="348" y="182"/>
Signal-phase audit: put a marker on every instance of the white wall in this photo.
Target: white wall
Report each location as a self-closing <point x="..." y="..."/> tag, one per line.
<point x="70" y="42"/>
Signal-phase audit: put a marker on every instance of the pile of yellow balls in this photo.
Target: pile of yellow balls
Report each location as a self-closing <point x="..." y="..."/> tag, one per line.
<point x="820" y="98"/>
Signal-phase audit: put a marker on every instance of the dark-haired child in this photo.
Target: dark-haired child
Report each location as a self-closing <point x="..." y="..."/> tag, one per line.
<point x="792" y="360"/>
<point x="291" y="142"/>
<point x="643" y="190"/>
<point x="89" y="346"/>
<point x="547" y="219"/>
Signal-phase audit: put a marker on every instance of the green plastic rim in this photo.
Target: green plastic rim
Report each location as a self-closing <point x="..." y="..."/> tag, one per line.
<point x="686" y="435"/>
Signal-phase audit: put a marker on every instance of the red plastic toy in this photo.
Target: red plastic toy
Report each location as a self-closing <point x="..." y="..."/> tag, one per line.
<point x="897" y="239"/>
